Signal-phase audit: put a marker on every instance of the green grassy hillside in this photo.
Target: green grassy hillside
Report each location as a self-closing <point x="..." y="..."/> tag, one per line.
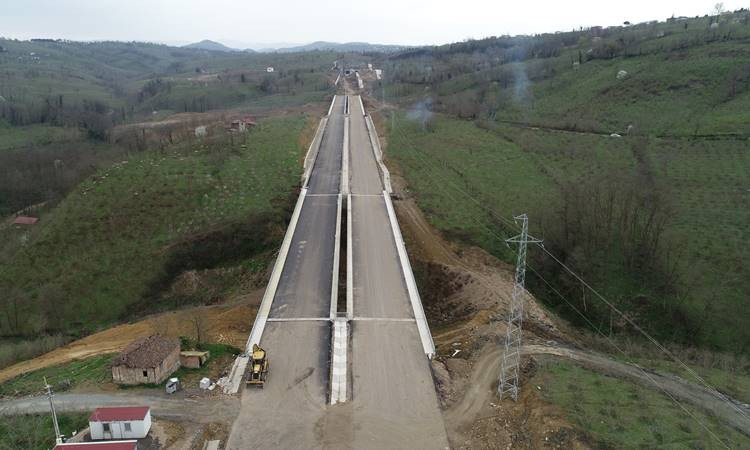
<point x="112" y="248"/>
<point x="655" y="219"/>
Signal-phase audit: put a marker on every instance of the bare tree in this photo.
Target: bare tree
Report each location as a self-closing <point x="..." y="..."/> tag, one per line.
<point x="718" y="9"/>
<point x="200" y="326"/>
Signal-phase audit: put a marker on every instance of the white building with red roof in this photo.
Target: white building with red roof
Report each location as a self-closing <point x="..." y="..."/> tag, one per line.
<point x="121" y="422"/>
<point x="111" y="445"/>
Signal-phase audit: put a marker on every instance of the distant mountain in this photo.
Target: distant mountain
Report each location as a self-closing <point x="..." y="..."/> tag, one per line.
<point x="346" y="47"/>
<point x="211" y="46"/>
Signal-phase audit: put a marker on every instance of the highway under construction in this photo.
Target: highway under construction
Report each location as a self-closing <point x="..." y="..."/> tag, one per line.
<point x="349" y="367"/>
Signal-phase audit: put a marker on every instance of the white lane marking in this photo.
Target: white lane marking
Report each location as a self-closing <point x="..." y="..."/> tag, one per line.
<point x="382" y="319"/>
<point x="361" y="105"/>
<point x="328" y="319"/>
<point x="298" y="319"/>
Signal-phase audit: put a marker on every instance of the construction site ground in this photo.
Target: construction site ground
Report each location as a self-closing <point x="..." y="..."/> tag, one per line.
<point x="465" y="293"/>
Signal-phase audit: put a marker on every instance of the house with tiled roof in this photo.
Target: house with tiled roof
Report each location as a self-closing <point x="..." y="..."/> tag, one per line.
<point x="147" y="360"/>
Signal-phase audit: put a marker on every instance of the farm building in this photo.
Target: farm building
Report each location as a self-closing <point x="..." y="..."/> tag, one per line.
<point x="147" y="360"/>
<point x="111" y="445"/>
<point x="121" y="422"/>
<point x="193" y="359"/>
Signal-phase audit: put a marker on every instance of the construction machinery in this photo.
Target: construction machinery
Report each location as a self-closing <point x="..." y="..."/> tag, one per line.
<point x="258" y="367"/>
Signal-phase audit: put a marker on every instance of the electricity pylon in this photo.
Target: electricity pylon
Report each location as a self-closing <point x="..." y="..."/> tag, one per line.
<point x="512" y="355"/>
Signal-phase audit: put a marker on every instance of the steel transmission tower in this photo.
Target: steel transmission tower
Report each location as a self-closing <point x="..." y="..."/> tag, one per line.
<point x="512" y="355"/>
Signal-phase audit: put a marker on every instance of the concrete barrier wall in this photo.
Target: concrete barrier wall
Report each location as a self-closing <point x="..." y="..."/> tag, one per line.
<point x="312" y="152"/>
<point x="375" y="143"/>
<point x="411" y="285"/>
<point x="330" y="108"/>
<point x="240" y="364"/>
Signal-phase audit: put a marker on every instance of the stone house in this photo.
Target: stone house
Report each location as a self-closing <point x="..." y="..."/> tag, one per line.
<point x="147" y="360"/>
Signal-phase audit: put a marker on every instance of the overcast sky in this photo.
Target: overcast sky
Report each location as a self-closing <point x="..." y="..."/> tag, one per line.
<point x="252" y="22"/>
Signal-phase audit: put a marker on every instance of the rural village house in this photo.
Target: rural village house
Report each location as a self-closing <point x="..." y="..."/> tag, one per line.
<point x="122" y="422"/>
<point x="147" y="360"/>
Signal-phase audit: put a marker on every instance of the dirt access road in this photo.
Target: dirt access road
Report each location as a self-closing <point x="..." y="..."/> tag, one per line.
<point x="484" y="378"/>
<point x="173" y="407"/>
<point x="228" y="324"/>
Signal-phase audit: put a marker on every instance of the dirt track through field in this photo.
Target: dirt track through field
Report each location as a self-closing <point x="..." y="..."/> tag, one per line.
<point x="227" y="324"/>
<point x="485" y="373"/>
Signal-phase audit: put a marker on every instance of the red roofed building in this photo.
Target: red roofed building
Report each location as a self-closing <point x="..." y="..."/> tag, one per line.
<point x="122" y="422"/>
<point x="116" y="445"/>
<point x="25" y="220"/>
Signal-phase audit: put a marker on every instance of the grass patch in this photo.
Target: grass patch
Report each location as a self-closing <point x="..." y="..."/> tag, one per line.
<point x="36" y="432"/>
<point x="89" y="371"/>
<point x="110" y="244"/>
<point x="35" y="135"/>
<point x="458" y="169"/>
<point x="620" y="414"/>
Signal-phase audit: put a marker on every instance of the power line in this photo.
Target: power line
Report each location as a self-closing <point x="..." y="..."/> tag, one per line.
<point x="646" y="334"/>
<point x="662" y="348"/>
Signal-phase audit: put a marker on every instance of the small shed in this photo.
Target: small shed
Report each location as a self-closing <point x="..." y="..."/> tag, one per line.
<point x="120" y="422"/>
<point x="111" y="445"/>
<point x="193" y="359"/>
<point x="147" y="360"/>
<point x="25" y="220"/>
<point x="242" y="124"/>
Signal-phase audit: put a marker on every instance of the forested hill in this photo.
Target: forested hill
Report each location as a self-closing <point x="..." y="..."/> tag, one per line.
<point x="627" y="146"/>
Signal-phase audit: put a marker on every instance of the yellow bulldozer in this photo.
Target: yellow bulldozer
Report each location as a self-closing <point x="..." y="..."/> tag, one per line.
<point x="258" y="368"/>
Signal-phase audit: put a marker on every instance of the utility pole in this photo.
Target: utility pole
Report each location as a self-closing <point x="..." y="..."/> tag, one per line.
<point x="512" y="355"/>
<point x="50" y="394"/>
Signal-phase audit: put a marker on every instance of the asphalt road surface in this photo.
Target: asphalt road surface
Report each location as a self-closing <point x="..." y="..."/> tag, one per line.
<point x="394" y="400"/>
<point x="285" y="413"/>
